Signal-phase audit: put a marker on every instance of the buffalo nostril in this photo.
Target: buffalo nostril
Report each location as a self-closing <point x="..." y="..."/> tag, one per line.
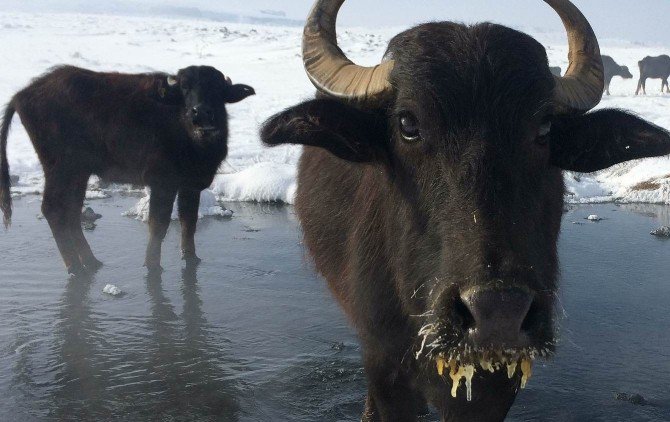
<point x="499" y="315"/>
<point x="462" y="315"/>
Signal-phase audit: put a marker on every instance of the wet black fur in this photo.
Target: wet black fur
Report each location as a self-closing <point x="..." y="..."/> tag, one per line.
<point x="398" y="229"/>
<point x="124" y="128"/>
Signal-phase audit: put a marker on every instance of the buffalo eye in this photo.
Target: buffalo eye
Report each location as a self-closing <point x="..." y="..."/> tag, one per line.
<point x="409" y="127"/>
<point x="543" y="133"/>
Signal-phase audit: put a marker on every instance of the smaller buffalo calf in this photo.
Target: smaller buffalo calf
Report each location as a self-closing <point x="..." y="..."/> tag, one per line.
<point x="167" y="132"/>
<point x="612" y="69"/>
<point x="654" y="68"/>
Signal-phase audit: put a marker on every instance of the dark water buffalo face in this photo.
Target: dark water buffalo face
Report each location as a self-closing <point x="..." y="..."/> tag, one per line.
<point x="203" y="92"/>
<point x="471" y="132"/>
<point x="470" y="145"/>
<point x="625" y="73"/>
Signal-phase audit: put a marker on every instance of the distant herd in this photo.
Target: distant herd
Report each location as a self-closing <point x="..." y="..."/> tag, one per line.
<point x="650" y="68"/>
<point x="430" y="187"/>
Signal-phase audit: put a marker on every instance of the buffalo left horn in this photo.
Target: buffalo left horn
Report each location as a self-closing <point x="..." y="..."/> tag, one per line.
<point x="331" y="71"/>
<point x="171" y="80"/>
<point x="581" y="88"/>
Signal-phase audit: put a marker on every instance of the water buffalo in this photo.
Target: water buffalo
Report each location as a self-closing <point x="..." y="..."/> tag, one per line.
<point x="555" y="70"/>
<point x="430" y="192"/>
<point x="654" y="68"/>
<point x="612" y="69"/>
<point x="168" y="132"/>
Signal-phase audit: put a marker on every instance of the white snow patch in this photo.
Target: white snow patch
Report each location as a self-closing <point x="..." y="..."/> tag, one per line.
<point x="261" y="182"/>
<point x="209" y="206"/>
<point x="111" y="289"/>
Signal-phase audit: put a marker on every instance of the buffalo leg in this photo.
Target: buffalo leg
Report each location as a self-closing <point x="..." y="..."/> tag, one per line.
<point x="640" y="86"/>
<point x="188" y="203"/>
<point x="86" y="257"/>
<point x="160" y="210"/>
<point x="665" y="85"/>
<point x="55" y="206"/>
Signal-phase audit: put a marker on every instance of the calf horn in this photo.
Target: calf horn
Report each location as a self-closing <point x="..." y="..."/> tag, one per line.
<point x="581" y="88"/>
<point x="331" y="71"/>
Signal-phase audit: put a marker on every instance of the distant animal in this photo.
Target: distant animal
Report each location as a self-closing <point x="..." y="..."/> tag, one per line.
<point x="430" y="193"/>
<point x="612" y="69"/>
<point x="555" y="70"/>
<point x="167" y="132"/>
<point x="654" y="68"/>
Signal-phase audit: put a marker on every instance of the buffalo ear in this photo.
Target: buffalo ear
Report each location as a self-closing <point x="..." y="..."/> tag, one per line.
<point x="166" y="93"/>
<point x="604" y="138"/>
<point x="238" y="92"/>
<point x="344" y="131"/>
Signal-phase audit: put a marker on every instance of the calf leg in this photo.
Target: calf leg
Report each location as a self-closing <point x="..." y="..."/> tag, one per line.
<point x="56" y="204"/>
<point x="86" y="257"/>
<point x="188" y="203"/>
<point x="160" y="209"/>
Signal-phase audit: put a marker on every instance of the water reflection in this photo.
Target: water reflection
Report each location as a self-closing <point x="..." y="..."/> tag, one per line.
<point x="660" y="212"/>
<point x="151" y="366"/>
<point x="190" y="374"/>
<point x="79" y="376"/>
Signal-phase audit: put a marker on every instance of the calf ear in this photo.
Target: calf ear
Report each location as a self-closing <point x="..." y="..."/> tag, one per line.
<point x="238" y="92"/>
<point x="346" y="132"/>
<point x="603" y="138"/>
<point x="165" y="93"/>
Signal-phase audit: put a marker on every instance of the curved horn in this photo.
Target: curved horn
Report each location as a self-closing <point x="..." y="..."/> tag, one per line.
<point x="331" y="71"/>
<point x="581" y="88"/>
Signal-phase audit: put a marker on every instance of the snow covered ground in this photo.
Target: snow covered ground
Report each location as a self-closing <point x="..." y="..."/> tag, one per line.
<point x="268" y="58"/>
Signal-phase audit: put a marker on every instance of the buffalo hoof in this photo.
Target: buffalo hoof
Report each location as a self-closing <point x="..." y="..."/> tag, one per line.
<point x="191" y="260"/>
<point x="92" y="264"/>
<point x="154" y="269"/>
<point x="76" y="270"/>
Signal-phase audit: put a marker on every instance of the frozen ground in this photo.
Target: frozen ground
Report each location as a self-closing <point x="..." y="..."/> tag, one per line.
<point x="268" y="58"/>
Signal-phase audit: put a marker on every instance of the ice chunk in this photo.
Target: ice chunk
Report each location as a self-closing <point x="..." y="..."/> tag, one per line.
<point x="594" y="217"/>
<point x="111" y="289"/>
<point x="209" y="206"/>
<point x="663" y="231"/>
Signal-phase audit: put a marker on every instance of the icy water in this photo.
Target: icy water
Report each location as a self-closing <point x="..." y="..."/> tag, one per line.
<point x="254" y="335"/>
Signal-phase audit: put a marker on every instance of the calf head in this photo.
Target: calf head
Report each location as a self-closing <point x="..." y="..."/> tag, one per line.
<point x="625" y="73"/>
<point x="202" y="92"/>
<point x="472" y="132"/>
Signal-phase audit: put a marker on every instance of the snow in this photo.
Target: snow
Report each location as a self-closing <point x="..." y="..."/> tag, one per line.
<point x="112" y="290"/>
<point x="268" y="58"/>
<point x="209" y="206"/>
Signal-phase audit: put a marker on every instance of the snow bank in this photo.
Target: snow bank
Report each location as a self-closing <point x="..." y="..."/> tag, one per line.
<point x="209" y="206"/>
<point x="268" y="58"/>
<point x="262" y="182"/>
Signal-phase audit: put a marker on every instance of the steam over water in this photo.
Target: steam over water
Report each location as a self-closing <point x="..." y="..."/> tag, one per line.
<point x="254" y="335"/>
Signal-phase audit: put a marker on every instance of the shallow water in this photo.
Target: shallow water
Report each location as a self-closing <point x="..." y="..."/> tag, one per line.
<point x="255" y="336"/>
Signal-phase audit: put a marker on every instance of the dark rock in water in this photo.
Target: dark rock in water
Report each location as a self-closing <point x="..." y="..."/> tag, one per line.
<point x="89" y="216"/>
<point x="635" y="399"/>
<point x="14" y="179"/>
<point x="663" y="231"/>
